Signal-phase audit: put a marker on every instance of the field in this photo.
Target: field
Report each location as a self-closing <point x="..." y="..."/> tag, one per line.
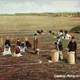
<point x="35" y="22"/>
<point x="28" y="67"/>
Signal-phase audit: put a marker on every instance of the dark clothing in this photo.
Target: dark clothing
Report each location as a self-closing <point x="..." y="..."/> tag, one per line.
<point x="72" y="46"/>
<point x="35" y="44"/>
<point x="18" y="43"/>
<point x="60" y="47"/>
<point x="28" y="44"/>
<point x="22" y="45"/>
<point x="17" y="50"/>
<point x="7" y="42"/>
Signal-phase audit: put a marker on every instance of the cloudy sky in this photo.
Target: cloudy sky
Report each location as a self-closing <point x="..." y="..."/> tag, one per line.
<point x="23" y="6"/>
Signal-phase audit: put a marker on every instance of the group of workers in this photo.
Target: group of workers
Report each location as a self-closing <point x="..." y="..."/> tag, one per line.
<point x="21" y="47"/>
<point x="17" y="49"/>
<point x="71" y="45"/>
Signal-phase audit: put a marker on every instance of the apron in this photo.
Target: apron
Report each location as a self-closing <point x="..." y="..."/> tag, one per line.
<point x="7" y="52"/>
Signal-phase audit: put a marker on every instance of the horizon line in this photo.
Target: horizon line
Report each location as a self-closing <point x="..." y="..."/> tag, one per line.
<point x="40" y="12"/>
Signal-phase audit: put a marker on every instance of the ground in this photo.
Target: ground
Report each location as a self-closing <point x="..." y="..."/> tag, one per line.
<point x="28" y="67"/>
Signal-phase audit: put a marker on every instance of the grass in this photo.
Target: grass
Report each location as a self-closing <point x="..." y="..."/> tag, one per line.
<point x="29" y="22"/>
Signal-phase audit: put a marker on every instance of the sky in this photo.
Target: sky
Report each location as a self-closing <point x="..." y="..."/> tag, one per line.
<point x="38" y="6"/>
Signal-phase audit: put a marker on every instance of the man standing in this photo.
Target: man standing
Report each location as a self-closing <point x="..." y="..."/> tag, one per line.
<point x="35" y="42"/>
<point x="72" y="46"/>
<point x="59" y="47"/>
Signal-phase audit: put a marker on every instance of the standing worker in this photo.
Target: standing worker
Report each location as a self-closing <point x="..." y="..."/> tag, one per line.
<point x="72" y="46"/>
<point x="59" y="47"/>
<point x="35" y="42"/>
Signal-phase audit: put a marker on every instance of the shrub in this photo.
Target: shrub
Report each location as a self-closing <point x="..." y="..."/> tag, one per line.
<point x="76" y="29"/>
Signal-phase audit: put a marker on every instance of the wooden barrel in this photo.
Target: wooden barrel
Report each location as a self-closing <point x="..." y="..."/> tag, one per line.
<point x="54" y="56"/>
<point x="71" y="57"/>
